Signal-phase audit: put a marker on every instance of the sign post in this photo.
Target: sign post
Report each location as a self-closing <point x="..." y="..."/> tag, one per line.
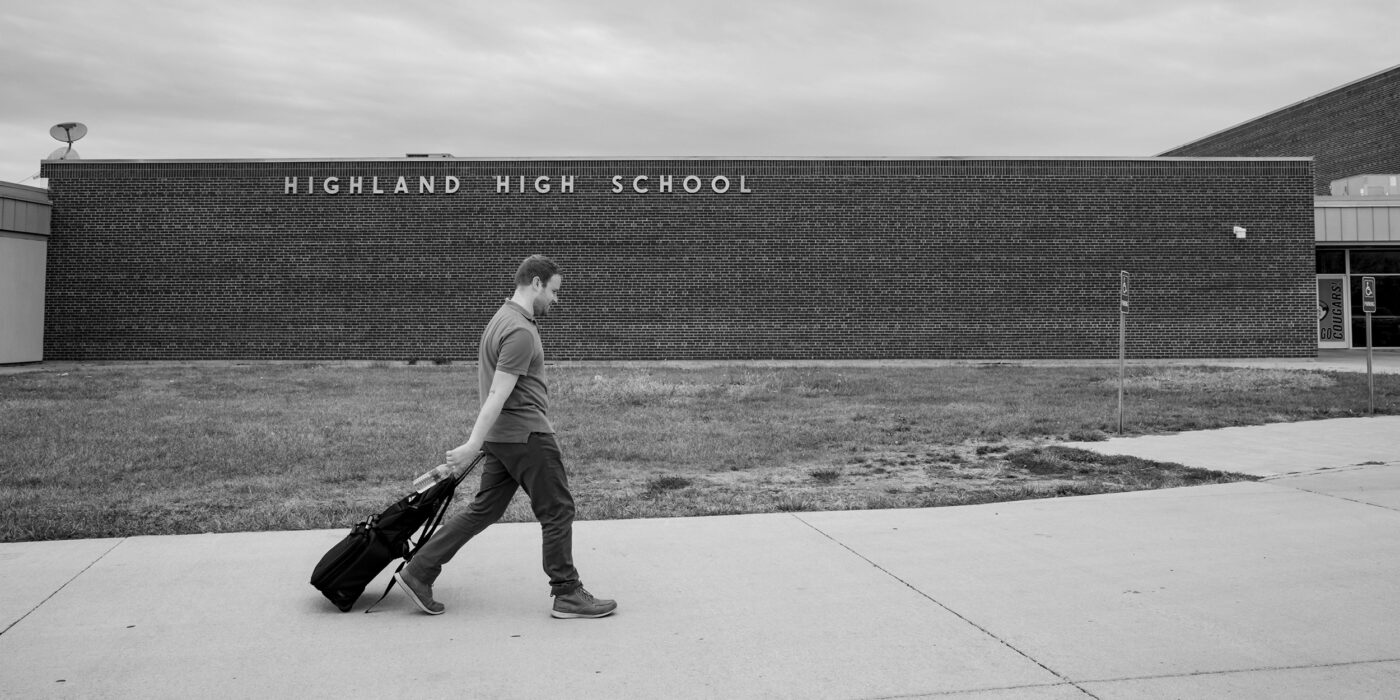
<point x="1123" y="340"/>
<point x="1368" y="305"/>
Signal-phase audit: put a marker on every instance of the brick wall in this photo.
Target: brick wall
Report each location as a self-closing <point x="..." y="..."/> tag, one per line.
<point x="1349" y="131"/>
<point x="943" y="258"/>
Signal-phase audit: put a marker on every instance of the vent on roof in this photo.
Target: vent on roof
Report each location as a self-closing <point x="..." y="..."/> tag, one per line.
<point x="1367" y="186"/>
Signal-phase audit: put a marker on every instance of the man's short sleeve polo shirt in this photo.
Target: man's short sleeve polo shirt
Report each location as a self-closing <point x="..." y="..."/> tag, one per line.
<point x="511" y="344"/>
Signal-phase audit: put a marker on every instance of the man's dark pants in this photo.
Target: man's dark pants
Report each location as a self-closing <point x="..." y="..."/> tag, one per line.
<point x="536" y="466"/>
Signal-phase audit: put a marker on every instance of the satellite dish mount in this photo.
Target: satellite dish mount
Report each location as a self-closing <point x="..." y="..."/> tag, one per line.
<point x="67" y="132"/>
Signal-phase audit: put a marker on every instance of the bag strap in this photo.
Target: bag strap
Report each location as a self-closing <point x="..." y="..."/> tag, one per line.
<point x="429" y="528"/>
<point x="432" y="525"/>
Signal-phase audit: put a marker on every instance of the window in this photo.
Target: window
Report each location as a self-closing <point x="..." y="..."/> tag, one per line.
<point x="1370" y="262"/>
<point x="1331" y="261"/>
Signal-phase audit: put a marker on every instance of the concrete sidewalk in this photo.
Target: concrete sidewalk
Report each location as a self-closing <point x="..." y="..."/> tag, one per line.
<point x="1282" y="588"/>
<point x="1272" y="450"/>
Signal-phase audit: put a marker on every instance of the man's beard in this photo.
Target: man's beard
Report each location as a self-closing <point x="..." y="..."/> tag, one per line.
<point x="541" y="308"/>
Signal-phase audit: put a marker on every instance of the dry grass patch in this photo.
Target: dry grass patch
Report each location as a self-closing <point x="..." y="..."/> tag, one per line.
<point x="163" y="449"/>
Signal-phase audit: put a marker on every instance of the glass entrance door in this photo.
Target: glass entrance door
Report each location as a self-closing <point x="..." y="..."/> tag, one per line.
<point x="1384" y="265"/>
<point x="1333" y="312"/>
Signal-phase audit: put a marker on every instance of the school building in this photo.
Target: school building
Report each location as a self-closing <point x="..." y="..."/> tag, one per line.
<point x="1235" y="246"/>
<point x="1351" y="132"/>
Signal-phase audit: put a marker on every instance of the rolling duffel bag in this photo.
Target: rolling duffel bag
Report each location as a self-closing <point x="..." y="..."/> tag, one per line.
<point x="375" y="542"/>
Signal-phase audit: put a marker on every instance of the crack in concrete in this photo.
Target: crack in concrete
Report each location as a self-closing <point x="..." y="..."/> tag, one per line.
<point x="963" y="692"/>
<point x="960" y="616"/>
<point x="1340" y="498"/>
<point x="60" y="588"/>
<point x="1322" y="471"/>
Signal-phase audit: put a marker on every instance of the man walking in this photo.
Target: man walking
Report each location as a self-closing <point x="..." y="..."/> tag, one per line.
<point x="514" y="431"/>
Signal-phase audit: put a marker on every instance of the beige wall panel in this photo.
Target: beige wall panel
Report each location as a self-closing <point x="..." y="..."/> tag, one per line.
<point x="22" y="261"/>
<point x="1358" y="224"/>
<point x="1365" y="225"/>
<point x="1332" y="224"/>
<point x="1381" y="224"/>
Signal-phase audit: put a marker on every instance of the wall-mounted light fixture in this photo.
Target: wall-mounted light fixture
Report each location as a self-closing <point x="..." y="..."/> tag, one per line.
<point x="1240" y="232"/>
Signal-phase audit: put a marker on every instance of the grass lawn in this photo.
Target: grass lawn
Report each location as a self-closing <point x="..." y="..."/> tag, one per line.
<point x="119" y="450"/>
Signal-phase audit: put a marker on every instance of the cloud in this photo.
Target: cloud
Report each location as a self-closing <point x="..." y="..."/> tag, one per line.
<point x="264" y="79"/>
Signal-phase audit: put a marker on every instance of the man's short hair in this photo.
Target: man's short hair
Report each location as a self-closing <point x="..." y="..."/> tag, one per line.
<point x="535" y="266"/>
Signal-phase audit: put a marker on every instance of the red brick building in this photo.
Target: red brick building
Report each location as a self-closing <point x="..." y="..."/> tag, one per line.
<point x="405" y="259"/>
<point x="1349" y="130"/>
<point x="1353" y="134"/>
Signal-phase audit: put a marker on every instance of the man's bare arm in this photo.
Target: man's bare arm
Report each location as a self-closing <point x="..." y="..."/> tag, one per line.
<point x="502" y="383"/>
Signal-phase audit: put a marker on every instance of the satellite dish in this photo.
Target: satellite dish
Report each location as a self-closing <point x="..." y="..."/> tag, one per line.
<point x="65" y="153"/>
<point x="68" y="132"/>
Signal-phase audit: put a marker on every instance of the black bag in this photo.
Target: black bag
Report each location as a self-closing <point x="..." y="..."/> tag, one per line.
<point x="373" y="543"/>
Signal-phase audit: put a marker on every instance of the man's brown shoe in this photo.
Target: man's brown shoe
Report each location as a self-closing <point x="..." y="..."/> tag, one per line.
<point x="581" y="603"/>
<point x="419" y="593"/>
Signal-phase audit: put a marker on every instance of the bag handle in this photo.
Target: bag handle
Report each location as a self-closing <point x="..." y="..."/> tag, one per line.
<point x="429" y="528"/>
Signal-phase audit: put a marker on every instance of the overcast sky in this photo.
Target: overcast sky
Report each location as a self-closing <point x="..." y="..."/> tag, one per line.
<point x="344" y="79"/>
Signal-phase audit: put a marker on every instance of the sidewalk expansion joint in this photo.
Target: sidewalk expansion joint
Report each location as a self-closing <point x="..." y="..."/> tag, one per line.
<point x="60" y="588"/>
<point x="1230" y="671"/>
<point x="954" y="613"/>
<point x="963" y="692"/>
<point x="1342" y="498"/>
<point x="1322" y="471"/>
